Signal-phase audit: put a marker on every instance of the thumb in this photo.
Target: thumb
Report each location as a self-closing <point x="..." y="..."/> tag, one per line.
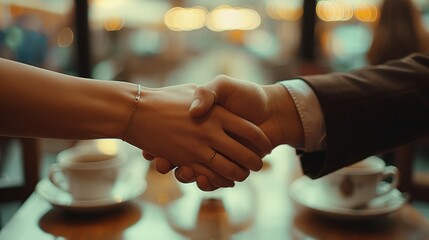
<point x="202" y="102"/>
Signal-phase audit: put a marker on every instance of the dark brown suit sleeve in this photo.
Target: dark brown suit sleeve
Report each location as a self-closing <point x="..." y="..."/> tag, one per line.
<point x="370" y="110"/>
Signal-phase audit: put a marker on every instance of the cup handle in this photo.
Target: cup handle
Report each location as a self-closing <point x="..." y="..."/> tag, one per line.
<point x="54" y="171"/>
<point x="393" y="173"/>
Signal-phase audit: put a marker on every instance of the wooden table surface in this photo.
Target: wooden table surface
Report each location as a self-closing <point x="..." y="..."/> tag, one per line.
<point x="155" y="215"/>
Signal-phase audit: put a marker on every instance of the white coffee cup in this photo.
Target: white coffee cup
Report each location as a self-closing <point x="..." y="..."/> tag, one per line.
<point x="86" y="173"/>
<point x="356" y="185"/>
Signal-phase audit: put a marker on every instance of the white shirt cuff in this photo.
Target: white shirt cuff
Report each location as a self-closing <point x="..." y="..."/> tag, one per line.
<point x="309" y="110"/>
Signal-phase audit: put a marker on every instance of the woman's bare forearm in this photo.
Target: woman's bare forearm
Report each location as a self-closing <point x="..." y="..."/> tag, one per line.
<point x="39" y="103"/>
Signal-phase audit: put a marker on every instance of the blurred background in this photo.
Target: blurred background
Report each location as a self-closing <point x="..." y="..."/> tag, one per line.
<point x="165" y="42"/>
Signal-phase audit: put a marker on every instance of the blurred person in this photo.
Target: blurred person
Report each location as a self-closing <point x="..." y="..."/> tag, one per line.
<point x="333" y="119"/>
<point x="39" y="103"/>
<point x="25" y="41"/>
<point x="398" y="32"/>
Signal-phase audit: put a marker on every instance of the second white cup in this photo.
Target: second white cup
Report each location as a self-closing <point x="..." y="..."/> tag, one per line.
<point x="356" y="185"/>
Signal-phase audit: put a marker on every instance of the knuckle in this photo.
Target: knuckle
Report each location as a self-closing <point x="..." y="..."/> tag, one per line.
<point x="221" y="77"/>
<point x="200" y="91"/>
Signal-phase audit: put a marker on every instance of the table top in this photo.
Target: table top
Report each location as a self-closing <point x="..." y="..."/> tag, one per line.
<point x="259" y="208"/>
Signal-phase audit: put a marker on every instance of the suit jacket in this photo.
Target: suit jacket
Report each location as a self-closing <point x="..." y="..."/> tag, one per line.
<point x="369" y="110"/>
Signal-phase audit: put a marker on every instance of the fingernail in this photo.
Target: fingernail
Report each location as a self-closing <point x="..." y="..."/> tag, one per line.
<point x="183" y="177"/>
<point x="195" y="103"/>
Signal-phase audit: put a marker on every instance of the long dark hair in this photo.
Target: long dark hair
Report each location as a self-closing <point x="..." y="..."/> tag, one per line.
<point x="398" y="32"/>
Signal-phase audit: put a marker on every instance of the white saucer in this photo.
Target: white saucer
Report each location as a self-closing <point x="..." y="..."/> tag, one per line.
<point x="129" y="189"/>
<point x="306" y="194"/>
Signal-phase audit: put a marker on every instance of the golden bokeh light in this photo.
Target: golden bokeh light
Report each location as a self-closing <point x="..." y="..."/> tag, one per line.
<point x="334" y="10"/>
<point x="289" y="10"/>
<point x="367" y="12"/>
<point x="113" y="24"/>
<point x="65" y="37"/>
<point x="343" y="10"/>
<point x="185" y="19"/>
<point x="225" y="18"/>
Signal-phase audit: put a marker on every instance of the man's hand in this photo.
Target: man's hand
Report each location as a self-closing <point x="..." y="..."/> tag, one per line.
<point x="270" y="107"/>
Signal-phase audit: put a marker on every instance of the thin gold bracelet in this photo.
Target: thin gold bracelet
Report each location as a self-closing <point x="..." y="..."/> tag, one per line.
<point x="136" y="101"/>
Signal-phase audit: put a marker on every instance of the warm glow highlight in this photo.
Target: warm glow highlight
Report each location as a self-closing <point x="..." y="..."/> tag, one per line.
<point x="114" y="15"/>
<point x="113" y="24"/>
<point x="185" y="19"/>
<point x="285" y="10"/>
<point x="342" y="10"/>
<point x="367" y="12"/>
<point x="65" y="37"/>
<point x="226" y="17"/>
<point x="334" y="10"/>
<point x="107" y="146"/>
<point x="109" y="3"/>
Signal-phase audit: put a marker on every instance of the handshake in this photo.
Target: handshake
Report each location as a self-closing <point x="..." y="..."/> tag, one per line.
<point x="216" y="133"/>
<point x="213" y="134"/>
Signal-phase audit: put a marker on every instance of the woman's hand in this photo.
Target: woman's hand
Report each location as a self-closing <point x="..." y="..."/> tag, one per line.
<point x="162" y="117"/>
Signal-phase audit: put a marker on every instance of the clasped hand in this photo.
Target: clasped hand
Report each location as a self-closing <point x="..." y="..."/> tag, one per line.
<point x="233" y="112"/>
<point x="218" y="145"/>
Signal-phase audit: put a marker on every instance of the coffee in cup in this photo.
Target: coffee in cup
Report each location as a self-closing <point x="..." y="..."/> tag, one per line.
<point x="86" y="173"/>
<point x="356" y="185"/>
